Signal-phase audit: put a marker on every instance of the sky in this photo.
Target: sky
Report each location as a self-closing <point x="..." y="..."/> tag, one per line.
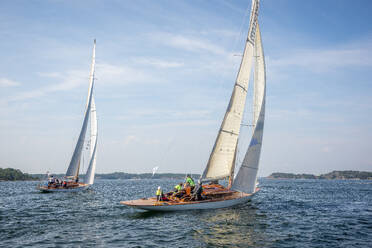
<point x="164" y="75"/>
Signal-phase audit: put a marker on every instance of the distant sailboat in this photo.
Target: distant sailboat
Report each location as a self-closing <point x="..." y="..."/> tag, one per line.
<point x="71" y="180"/>
<point x="222" y="159"/>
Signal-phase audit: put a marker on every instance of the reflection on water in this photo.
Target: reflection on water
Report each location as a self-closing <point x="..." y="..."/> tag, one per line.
<point x="141" y="214"/>
<point x="230" y="227"/>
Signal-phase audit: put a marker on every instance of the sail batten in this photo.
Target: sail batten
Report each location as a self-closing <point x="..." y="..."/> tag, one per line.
<point x="221" y="160"/>
<point x="73" y="168"/>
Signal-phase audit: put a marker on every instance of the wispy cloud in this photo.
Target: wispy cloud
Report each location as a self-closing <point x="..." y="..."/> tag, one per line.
<point x="322" y="60"/>
<point x="131" y="139"/>
<point x="166" y="114"/>
<point x="123" y="74"/>
<point x="72" y="80"/>
<point x="159" y="63"/>
<point x="188" y="43"/>
<point x="5" y="82"/>
<point x="50" y="74"/>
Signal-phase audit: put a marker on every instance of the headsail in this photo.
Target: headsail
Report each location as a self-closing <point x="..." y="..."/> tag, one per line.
<point x="221" y="160"/>
<point x="73" y="168"/>
<point x="245" y="180"/>
<point x="89" y="177"/>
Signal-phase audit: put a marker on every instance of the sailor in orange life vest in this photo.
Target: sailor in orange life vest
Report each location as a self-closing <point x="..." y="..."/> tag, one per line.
<point x="159" y="194"/>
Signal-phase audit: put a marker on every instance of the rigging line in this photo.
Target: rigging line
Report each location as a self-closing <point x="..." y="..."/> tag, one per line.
<point x="161" y="161"/>
<point x="238" y="37"/>
<point x="246" y="13"/>
<point x="247" y="125"/>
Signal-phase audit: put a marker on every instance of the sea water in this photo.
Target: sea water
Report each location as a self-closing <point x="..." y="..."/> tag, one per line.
<point x="284" y="213"/>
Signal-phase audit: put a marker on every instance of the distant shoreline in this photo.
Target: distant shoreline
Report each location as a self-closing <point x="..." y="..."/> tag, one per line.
<point x="10" y="174"/>
<point x="341" y="175"/>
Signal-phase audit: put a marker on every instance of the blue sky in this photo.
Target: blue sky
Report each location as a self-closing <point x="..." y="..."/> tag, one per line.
<point x="165" y="71"/>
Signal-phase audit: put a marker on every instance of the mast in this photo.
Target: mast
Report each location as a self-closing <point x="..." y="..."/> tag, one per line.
<point x="221" y="161"/>
<point x="73" y="168"/>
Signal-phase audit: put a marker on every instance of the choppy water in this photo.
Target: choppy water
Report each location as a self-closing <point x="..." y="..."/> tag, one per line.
<point x="285" y="213"/>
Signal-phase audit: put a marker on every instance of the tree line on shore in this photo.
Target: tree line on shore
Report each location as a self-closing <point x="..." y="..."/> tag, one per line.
<point x="10" y="174"/>
<point x="348" y="174"/>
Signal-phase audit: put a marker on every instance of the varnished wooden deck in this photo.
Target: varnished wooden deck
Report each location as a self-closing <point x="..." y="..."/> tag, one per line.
<point x="213" y="193"/>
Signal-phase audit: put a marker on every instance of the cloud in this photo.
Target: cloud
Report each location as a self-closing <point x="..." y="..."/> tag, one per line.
<point x="323" y="60"/>
<point x="166" y="114"/>
<point x="72" y="79"/>
<point x="50" y="74"/>
<point x="221" y="33"/>
<point x="130" y="139"/>
<point x="4" y="82"/>
<point x="158" y="62"/>
<point x="123" y="74"/>
<point x="188" y="43"/>
<point x="326" y="149"/>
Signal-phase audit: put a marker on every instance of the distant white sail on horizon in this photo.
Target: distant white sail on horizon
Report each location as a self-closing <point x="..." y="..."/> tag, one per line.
<point x="89" y="176"/>
<point x="154" y="170"/>
<point x="245" y="180"/>
<point x="221" y="161"/>
<point x="74" y="166"/>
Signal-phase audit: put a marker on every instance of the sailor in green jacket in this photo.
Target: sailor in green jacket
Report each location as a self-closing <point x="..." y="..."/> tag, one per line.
<point x="190" y="181"/>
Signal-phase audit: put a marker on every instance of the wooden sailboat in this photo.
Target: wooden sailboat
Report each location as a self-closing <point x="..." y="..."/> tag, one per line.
<point x="221" y="162"/>
<point x="71" y="181"/>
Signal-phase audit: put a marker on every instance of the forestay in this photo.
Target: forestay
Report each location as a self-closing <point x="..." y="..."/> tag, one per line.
<point x="221" y="160"/>
<point x="73" y="168"/>
<point x="245" y="180"/>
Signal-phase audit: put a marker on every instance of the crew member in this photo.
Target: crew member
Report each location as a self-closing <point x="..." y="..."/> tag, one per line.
<point x="178" y="187"/>
<point x="190" y="181"/>
<point x="158" y="194"/>
<point x="199" y="191"/>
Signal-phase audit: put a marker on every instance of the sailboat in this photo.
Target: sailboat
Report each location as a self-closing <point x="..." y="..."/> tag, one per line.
<point x="222" y="160"/>
<point x="71" y="180"/>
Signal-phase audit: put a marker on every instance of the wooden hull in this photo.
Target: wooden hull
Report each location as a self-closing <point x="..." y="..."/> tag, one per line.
<point x="80" y="187"/>
<point x="152" y="205"/>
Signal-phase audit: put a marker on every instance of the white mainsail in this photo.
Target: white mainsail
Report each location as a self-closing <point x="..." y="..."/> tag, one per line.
<point x="245" y="180"/>
<point x="221" y="160"/>
<point x="73" y="168"/>
<point x="89" y="176"/>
